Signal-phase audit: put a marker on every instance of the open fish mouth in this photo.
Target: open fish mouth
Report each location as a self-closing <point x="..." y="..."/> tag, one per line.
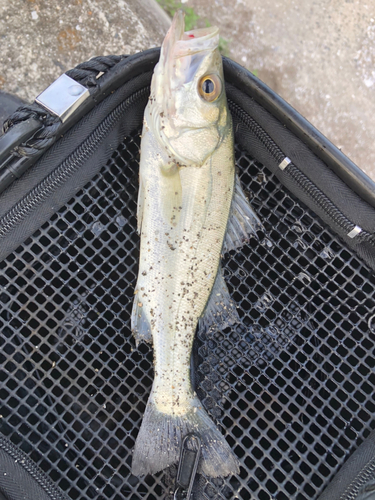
<point x="184" y="43"/>
<point x="182" y="54"/>
<point x="179" y="113"/>
<point x="201" y="33"/>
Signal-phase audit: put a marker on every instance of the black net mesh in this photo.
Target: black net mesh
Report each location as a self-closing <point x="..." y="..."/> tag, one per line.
<point x="291" y="386"/>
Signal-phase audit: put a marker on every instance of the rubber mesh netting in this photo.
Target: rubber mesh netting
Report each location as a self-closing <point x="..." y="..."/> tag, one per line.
<point x="291" y="386"/>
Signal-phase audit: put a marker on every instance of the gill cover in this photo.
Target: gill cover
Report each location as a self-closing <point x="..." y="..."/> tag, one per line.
<point x="187" y="102"/>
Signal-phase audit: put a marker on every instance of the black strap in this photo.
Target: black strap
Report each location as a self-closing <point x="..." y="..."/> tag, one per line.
<point x="31" y="129"/>
<point x="16" y="135"/>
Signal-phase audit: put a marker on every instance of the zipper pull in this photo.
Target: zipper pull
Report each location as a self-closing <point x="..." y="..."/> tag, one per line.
<point x="187" y="467"/>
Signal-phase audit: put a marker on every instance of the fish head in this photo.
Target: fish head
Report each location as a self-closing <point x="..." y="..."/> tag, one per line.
<point x="189" y="113"/>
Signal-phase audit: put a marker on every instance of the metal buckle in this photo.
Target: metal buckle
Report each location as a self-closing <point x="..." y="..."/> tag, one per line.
<point x="63" y="97"/>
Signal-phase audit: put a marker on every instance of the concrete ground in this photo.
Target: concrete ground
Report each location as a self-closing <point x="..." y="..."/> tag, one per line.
<point x="40" y="39"/>
<point x="318" y="55"/>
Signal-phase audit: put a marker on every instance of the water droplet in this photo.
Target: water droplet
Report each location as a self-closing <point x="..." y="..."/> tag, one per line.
<point x="261" y="363"/>
<point x="261" y="178"/>
<point x="371" y="323"/>
<point x="121" y="221"/>
<point x="305" y="278"/>
<point x="266" y="243"/>
<point x="327" y="253"/>
<point x="264" y="302"/>
<point x="273" y="331"/>
<point x="241" y="273"/>
<point x="297" y="228"/>
<point x="97" y="228"/>
<point x="257" y="332"/>
<point x="300" y="244"/>
<point x="75" y="90"/>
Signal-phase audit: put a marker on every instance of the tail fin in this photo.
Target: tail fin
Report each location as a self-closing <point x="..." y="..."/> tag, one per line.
<point x="159" y="441"/>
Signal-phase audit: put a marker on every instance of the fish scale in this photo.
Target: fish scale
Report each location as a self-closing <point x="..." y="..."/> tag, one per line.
<point x="175" y="300"/>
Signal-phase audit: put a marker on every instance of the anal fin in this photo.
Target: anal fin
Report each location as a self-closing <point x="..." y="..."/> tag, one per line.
<point x="243" y="221"/>
<point x="221" y="310"/>
<point x="139" y="323"/>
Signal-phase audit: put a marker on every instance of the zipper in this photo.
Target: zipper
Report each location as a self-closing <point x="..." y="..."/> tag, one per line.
<point x="30" y="467"/>
<point x="303" y="182"/>
<point x="22" y="209"/>
<point x="361" y="479"/>
<point x="19" y="212"/>
<point x="187" y="467"/>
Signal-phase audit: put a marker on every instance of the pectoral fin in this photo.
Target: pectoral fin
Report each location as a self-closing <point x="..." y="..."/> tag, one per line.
<point x="139" y="323"/>
<point x="242" y="223"/>
<point x="220" y="310"/>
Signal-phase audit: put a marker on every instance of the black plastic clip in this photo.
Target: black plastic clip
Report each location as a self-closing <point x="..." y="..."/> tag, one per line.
<point x="187" y="467"/>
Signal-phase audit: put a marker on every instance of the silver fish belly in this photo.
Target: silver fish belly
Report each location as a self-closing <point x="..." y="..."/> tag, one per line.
<point x="185" y="200"/>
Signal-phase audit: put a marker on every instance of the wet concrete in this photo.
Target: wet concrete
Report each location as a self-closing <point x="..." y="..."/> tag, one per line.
<point x="318" y="55"/>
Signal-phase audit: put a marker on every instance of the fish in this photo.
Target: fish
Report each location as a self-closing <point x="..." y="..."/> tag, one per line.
<point x="191" y="210"/>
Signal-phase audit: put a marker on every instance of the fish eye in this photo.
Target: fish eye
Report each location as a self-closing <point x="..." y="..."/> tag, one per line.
<point x="209" y="87"/>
